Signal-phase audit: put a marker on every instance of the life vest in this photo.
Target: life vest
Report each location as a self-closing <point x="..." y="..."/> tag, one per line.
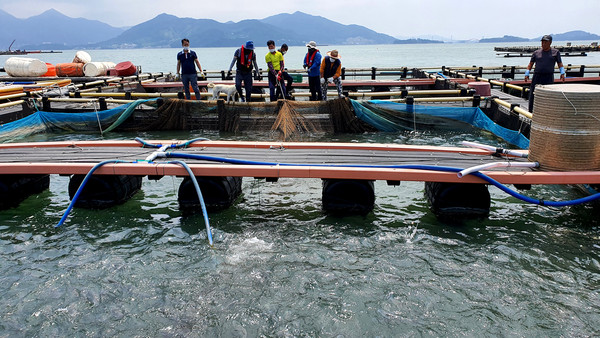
<point x="244" y="62"/>
<point x="330" y="67"/>
<point x="309" y="59"/>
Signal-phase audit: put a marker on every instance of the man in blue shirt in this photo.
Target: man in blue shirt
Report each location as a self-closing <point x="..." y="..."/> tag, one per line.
<point x="187" y="62"/>
<point x="544" y="59"/>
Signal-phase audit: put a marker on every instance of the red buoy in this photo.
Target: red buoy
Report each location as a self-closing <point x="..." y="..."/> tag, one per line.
<point x="126" y="68"/>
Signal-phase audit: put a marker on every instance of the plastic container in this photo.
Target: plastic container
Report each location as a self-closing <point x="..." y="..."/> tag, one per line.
<point x="69" y="69"/>
<point x="51" y="70"/>
<point x="565" y="128"/>
<point x="17" y="66"/>
<point x="97" y="68"/>
<point x="126" y="68"/>
<point x="297" y="78"/>
<point x="82" y="57"/>
<point x="481" y="88"/>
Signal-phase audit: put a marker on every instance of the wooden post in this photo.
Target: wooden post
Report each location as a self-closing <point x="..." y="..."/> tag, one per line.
<point x="102" y="102"/>
<point x="46" y="104"/>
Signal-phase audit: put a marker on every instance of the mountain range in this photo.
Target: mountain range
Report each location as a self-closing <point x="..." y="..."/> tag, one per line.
<point x="167" y="31"/>
<point x="53" y="30"/>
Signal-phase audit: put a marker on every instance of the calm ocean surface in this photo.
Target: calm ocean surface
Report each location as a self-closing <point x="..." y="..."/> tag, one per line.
<point x="281" y="267"/>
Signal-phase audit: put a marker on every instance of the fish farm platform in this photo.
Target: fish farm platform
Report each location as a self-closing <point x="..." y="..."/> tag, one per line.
<point x="354" y="161"/>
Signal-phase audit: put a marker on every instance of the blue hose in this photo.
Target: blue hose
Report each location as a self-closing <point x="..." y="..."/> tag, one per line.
<point x="183" y="164"/>
<point x="204" y="212"/>
<point x="182" y="145"/>
<point x="85" y="179"/>
<point x="416" y="167"/>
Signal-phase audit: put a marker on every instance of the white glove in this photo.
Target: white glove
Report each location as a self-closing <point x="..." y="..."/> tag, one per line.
<point x="330" y="80"/>
<point x="322" y="80"/>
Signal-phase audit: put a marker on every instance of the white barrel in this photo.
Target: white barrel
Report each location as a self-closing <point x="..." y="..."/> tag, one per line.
<point x="82" y="57"/>
<point x="97" y="68"/>
<point x="17" y="66"/>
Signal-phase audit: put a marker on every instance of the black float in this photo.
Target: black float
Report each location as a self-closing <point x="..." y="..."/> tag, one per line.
<point x="458" y="200"/>
<point x="104" y="191"/>
<point x="16" y="188"/>
<point x="346" y="197"/>
<point x="218" y="192"/>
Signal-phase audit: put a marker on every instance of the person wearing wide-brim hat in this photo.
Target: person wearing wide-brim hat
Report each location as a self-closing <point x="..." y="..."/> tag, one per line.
<point x="331" y="70"/>
<point x="312" y="64"/>
<point x="544" y="59"/>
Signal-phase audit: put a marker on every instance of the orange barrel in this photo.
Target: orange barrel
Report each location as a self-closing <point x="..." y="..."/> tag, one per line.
<point x="481" y="88"/>
<point x="69" y="69"/>
<point x="126" y="68"/>
<point x="51" y="70"/>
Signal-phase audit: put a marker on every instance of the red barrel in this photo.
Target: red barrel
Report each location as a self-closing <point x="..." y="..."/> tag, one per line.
<point x="69" y="69"/>
<point x="481" y="88"/>
<point x="125" y="68"/>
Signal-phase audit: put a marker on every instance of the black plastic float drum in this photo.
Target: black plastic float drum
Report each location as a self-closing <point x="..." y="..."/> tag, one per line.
<point x="16" y="188"/>
<point x="104" y="191"/>
<point x="347" y="197"/>
<point x="458" y="200"/>
<point x="218" y="192"/>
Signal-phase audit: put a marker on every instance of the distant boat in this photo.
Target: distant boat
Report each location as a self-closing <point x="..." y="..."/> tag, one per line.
<point x="24" y="52"/>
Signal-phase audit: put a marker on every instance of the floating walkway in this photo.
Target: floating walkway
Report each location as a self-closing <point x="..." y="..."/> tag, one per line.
<point x="276" y="160"/>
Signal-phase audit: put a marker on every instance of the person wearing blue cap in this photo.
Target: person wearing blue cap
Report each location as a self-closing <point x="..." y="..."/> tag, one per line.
<point x="244" y="58"/>
<point x="544" y="59"/>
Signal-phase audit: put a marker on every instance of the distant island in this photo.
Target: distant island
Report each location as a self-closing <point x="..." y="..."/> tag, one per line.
<point x="506" y="38"/>
<point x="568" y="36"/>
<point x="414" y="41"/>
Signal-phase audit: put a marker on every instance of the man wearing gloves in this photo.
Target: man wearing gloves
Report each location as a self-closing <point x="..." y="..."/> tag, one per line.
<point x="186" y="63"/>
<point x="312" y="63"/>
<point x="331" y="69"/>
<point x="274" y="60"/>
<point x="544" y="59"/>
<point x="244" y="59"/>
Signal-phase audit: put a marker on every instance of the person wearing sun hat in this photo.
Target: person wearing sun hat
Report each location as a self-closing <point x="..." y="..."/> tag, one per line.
<point x="312" y="64"/>
<point x="544" y="60"/>
<point x="331" y="70"/>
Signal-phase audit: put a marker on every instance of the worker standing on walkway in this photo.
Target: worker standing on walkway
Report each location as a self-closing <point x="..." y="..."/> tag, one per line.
<point x="544" y="59"/>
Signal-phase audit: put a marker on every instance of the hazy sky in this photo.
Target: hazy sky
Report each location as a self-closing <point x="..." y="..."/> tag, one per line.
<point x="459" y="19"/>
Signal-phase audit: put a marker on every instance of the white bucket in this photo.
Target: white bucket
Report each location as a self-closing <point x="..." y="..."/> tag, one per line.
<point x="97" y="68"/>
<point x="16" y="66"/>
<point x="82" y="57"/>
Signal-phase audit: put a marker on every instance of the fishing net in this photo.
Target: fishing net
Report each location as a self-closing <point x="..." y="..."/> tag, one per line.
<point x="393" y="117"/>
<point x="54" y="122"/>
<point x="287" y="117"/>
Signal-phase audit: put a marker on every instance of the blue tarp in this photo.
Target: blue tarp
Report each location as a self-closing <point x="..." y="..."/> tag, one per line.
<point x="47" y="122"/>
<point x="392" y="117"/>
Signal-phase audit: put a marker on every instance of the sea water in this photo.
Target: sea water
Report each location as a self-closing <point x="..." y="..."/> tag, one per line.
<point x="280" y="266"/>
